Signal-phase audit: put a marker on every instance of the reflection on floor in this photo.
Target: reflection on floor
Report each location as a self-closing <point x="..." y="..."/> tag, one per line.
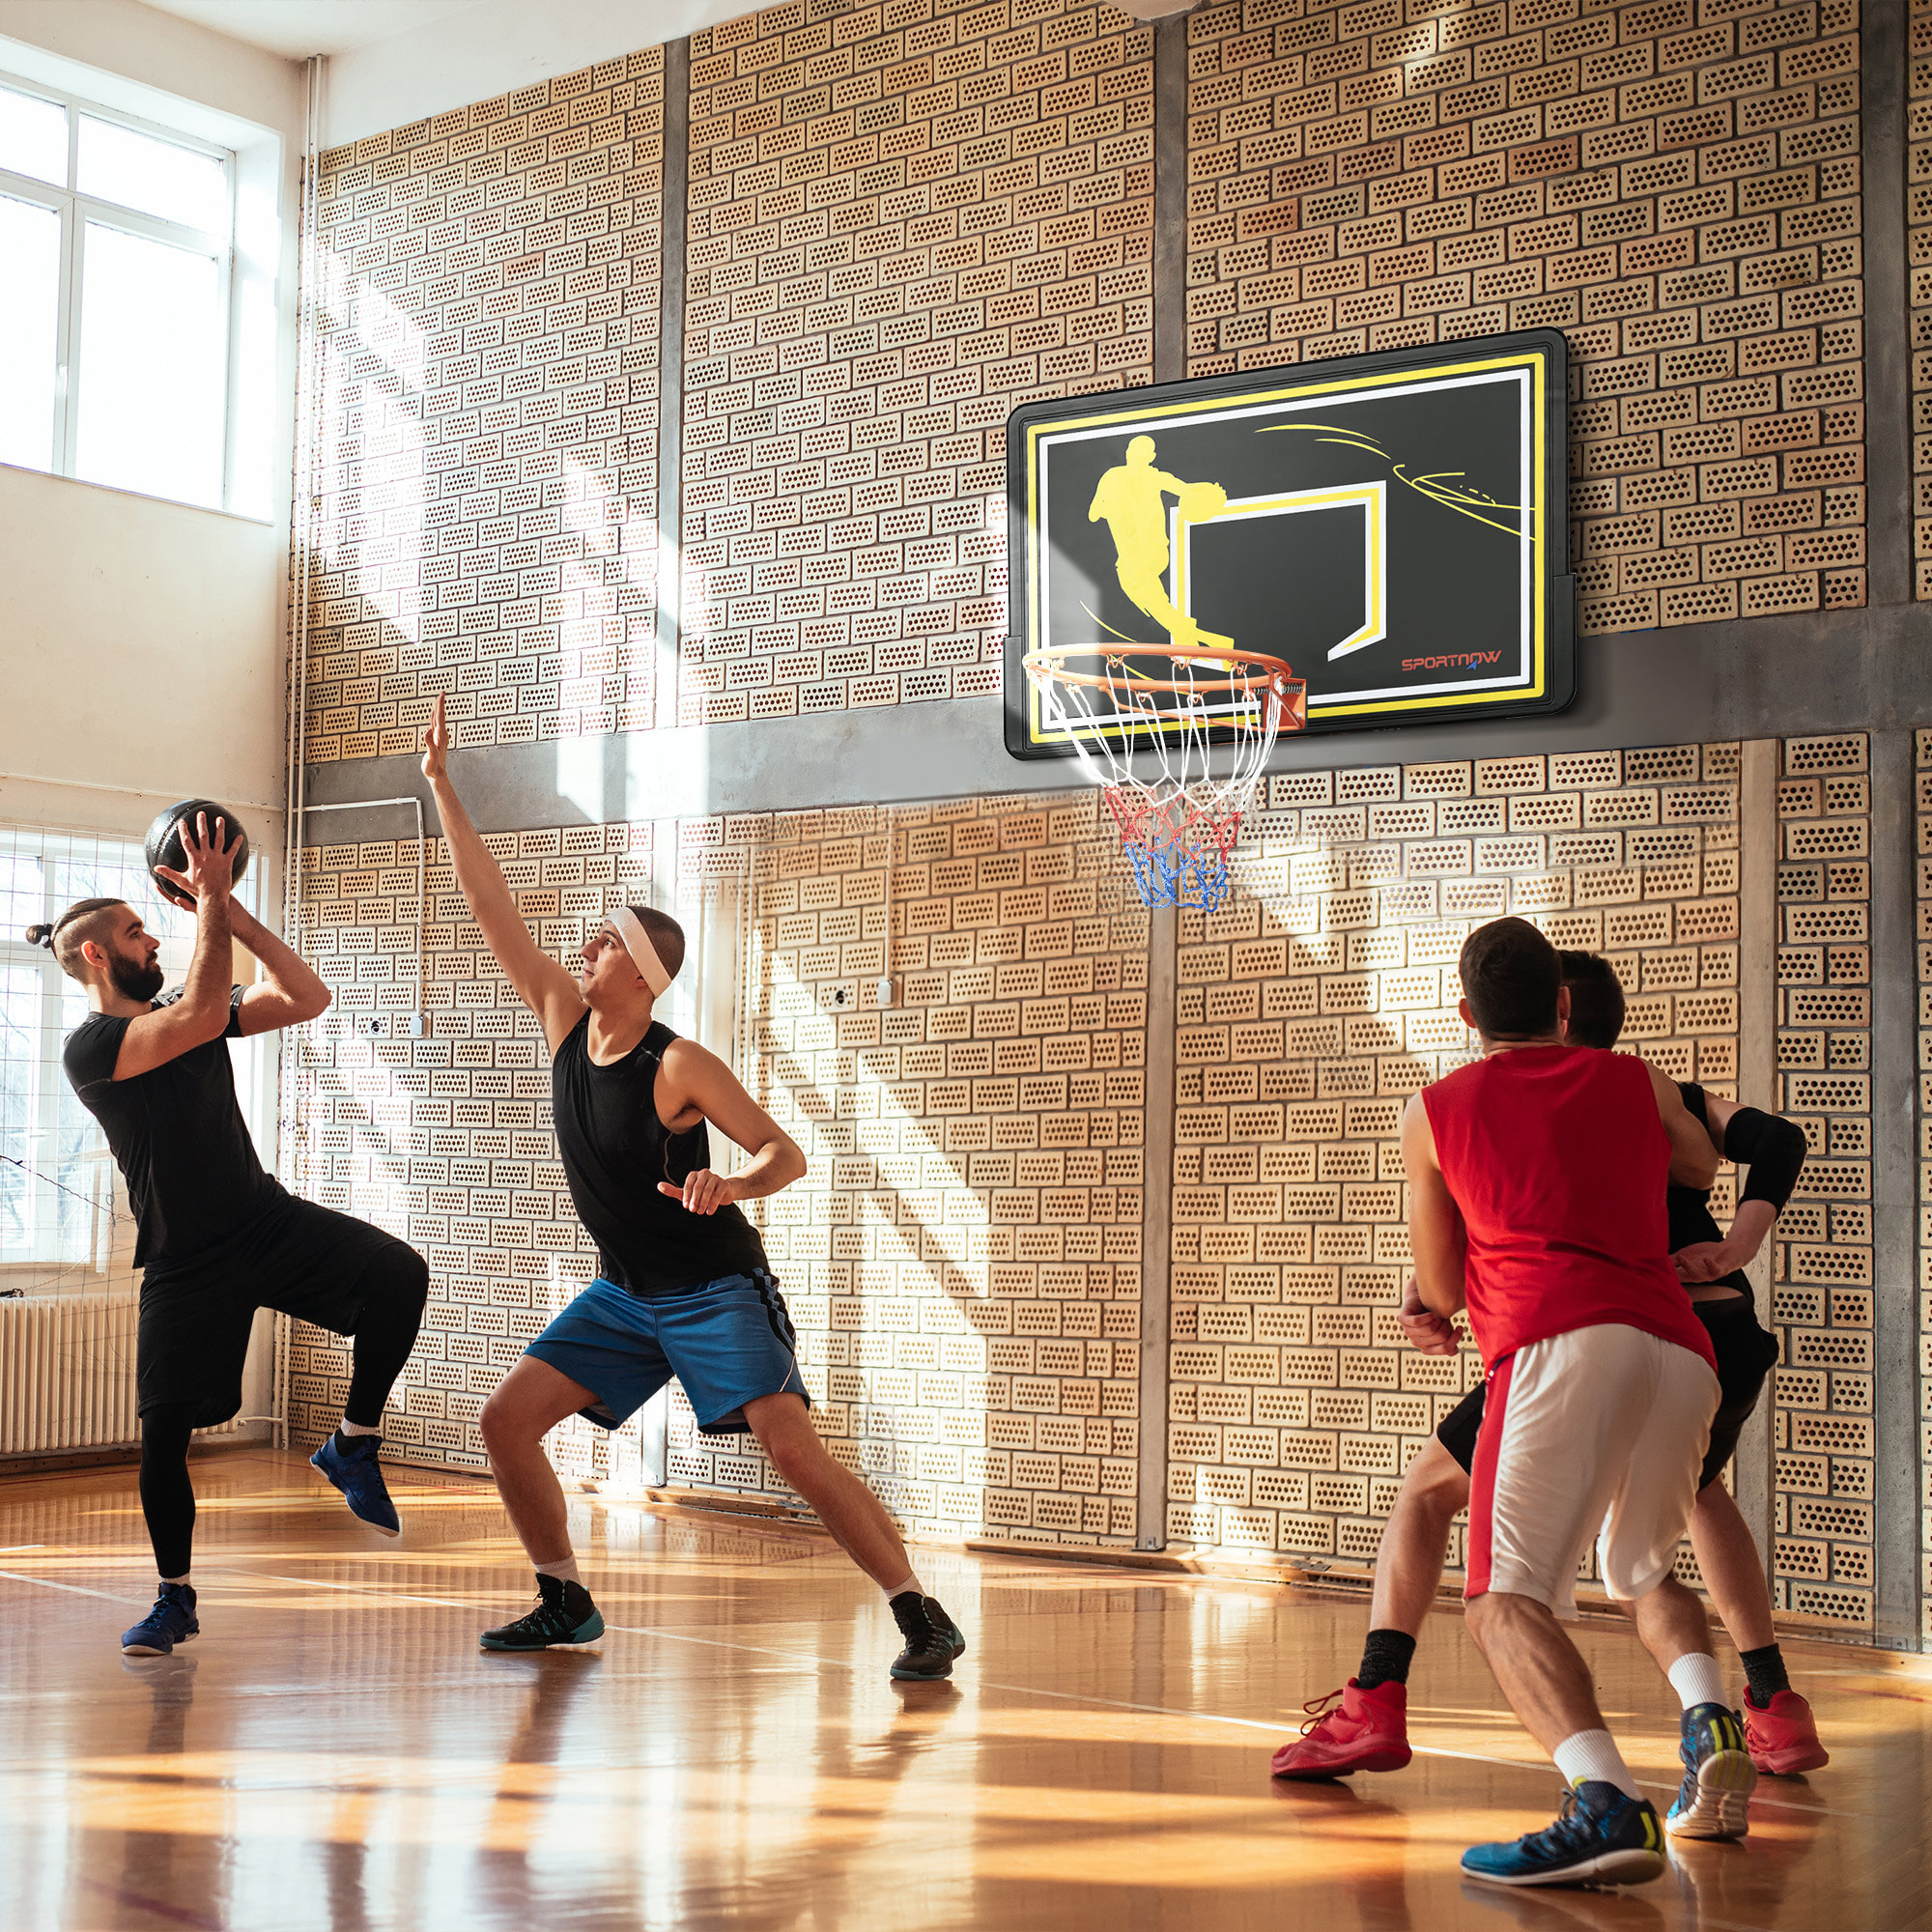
<point x="334" y="1752"/>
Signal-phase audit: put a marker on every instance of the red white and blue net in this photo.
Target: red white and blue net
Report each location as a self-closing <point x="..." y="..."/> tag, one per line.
<point x="1179" y="742"/>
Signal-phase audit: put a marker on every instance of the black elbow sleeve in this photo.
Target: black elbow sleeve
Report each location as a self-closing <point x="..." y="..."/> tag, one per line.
<point x="1771" y="1148"/>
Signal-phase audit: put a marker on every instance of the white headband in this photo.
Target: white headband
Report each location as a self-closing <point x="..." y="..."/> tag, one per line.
<point x="638" y="944"/>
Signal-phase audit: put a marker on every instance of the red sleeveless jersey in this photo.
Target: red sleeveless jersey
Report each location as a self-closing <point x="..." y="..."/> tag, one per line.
<point x="1558" y="1162"/>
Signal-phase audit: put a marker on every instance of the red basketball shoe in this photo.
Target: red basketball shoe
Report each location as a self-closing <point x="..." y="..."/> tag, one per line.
<point x="1368" y="1730"/>
<point x="1782" y="1738"/>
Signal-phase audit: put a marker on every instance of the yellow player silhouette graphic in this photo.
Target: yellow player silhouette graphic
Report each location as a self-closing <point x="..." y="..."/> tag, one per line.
<point x="1129" y="498"/>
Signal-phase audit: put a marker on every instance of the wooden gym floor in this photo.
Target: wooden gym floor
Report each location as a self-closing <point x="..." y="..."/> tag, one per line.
<point x="334" y="1752"/>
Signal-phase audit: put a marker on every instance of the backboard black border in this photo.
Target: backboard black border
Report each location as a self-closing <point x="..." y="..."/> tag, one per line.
<point x="1556" y="644"/>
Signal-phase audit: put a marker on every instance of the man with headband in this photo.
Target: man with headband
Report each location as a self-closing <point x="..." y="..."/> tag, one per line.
<point x="683" y="1288"/>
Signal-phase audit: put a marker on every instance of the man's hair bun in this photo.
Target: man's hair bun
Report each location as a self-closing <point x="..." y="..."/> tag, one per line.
<point x="40" y="935"/>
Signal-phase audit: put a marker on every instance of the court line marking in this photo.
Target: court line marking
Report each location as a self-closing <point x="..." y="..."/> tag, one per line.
<point x="1272" y="1727"/>
<point x="353" y="1589"/>
<point x="75" y="1589"/>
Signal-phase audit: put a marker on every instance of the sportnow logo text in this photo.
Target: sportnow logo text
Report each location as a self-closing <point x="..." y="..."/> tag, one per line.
<point x="1455" y="660"/>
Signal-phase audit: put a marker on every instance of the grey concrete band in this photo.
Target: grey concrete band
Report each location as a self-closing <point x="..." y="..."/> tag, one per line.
<point x="670" y="346"/>
<point x="1763" y="678"/>
<point x="1754" y="1471"/>
<point x="1169" y="199"/>
<point x="1896" y="1558"/>
<point x="1886" y="302"/>
<point x="1157" y="1230"/>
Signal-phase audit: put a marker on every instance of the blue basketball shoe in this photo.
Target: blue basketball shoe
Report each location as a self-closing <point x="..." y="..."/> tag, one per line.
<point x="170" y="1622"/>
<point x="1601" y="1838"/>
<point x="349" y="1463"/>
<point x="1713" y="1801"/>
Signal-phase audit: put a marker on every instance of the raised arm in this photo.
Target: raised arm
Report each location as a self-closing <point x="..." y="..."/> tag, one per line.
<point x="292" y="991"/>
<point x="701" y="1087"/>
<point x="544" y="985"/>
<point x="201" y="1013"/>
<point x="1693" y="1160"/>
<point x="1438" y="1242"/>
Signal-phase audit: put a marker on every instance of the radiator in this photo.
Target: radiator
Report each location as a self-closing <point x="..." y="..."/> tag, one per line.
<point x="66" y="1374"/>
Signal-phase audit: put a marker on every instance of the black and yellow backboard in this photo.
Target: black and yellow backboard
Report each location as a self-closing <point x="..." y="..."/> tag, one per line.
<point x="1395" y="526"/>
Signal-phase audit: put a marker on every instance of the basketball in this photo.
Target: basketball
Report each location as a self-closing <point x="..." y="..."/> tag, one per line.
<point x="1200" y="500"/>
<point x="163" y="846"/>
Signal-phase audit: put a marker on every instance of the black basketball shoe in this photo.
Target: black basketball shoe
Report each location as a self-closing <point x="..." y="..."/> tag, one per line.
<point x="565" y="1619"/>
<point x="932" y="1638"/>
<point x="170" y="1622"/>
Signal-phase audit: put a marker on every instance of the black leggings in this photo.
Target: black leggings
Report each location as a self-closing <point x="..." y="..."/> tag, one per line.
<point x="394" y="1287"/>
<point x="167" y="1496"/>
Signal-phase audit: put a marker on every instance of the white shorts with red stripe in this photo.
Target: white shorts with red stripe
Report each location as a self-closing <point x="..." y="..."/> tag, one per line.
<point x="1602" y="1430"/>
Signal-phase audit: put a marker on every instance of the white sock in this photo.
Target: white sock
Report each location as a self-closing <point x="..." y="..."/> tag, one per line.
<point x="1591" y="1756"/>
<point x="174" y="1580"/>
<point x="911" y="1583"/>
<point x="565" y="1568"/>
<point x="361" y="1428"/>
<point x="1697" y="1680"/>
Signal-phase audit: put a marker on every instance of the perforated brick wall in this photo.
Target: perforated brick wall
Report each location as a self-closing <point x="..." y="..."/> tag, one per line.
<point x="1309" y="1009"/>
<point x="486" y="412"/>
<point x="1918" y="229"/>
<point x="1673" y="184"/>
<point x="1822" y="1269"/>
<point x="963" y="1258"/>
<point x="904" y="218"/>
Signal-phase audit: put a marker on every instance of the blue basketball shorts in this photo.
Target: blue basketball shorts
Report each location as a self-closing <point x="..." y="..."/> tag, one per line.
<point x="728" y="1342"/>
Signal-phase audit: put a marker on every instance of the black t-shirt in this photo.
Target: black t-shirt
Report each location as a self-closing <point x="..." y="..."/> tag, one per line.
<point x="615" y="1149"/>
<point x="178" y="1136"/>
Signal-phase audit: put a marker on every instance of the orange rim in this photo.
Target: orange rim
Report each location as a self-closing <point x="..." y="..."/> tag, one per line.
<point x="1271" y="672"/>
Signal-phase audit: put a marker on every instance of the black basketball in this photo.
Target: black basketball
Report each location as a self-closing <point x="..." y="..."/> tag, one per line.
<point x="164" y="839"/>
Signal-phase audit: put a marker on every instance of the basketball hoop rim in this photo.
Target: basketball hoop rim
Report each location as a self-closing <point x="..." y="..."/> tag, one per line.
<point x="1048" y="662"/>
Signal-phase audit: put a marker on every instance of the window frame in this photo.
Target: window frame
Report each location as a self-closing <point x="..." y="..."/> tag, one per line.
<point x="76" y="210"/>
<point x="44" y="1183"/>
<point x="48" y="1086"/>
<point x="42" y="1124"/>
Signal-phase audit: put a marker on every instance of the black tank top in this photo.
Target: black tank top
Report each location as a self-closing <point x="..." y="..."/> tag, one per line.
<point x="615" y="1149"/>
<point x="1689" y="1208"/>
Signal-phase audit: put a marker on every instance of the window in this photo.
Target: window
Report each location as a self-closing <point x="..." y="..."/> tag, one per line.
<point x="115" y="265"/>
<point x="64" y="1217"/>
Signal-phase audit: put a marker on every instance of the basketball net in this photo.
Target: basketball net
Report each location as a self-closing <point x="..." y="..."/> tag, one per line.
<point x="1178" y="818"/>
